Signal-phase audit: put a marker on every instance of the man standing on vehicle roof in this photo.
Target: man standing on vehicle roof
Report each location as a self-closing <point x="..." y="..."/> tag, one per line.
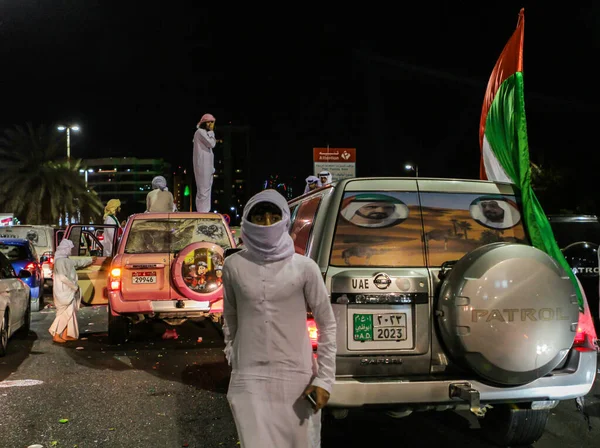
<point x="267" y="291"/>
<point x="204" y="161"/>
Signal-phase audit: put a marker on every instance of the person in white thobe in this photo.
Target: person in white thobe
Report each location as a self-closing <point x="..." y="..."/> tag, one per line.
<point x="267" y="290"/>
<point x="325" y="177"/>
<point x="312" y="182"/>
<point x="113" y="206"/>
<point x="204" y="161"/>
<point x="160" y="199"/>
<point x="66" y="292"/>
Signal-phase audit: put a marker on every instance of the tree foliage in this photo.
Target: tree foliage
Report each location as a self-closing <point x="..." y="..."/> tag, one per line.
<point x="38" y="184"/>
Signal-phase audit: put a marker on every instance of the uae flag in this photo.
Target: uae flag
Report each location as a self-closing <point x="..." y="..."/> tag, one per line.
<point x="504" y="146"/>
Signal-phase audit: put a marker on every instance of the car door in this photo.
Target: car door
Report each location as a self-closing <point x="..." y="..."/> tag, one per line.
<point x="92" y="279"/>
<point x="15" y="294"/>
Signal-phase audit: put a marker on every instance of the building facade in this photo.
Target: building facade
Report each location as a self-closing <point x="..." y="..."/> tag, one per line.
<point x="128" y="179"/>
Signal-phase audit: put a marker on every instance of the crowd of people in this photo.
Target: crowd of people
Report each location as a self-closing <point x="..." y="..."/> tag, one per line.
<point x="277" y="387"/>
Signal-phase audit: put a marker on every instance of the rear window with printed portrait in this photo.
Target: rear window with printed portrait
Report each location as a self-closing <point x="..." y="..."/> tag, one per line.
<point x="457" y="223"/>
<point x="381" y="229"/>
<point x="408" y="229"/>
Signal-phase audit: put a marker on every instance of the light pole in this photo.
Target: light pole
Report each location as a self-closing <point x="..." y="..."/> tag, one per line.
<point x="68" y="128"/>
<point x="414" y="168"/>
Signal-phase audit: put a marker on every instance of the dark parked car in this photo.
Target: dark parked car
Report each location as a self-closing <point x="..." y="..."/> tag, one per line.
<point x="22" y="256"/>
<point x="578" y="236"/>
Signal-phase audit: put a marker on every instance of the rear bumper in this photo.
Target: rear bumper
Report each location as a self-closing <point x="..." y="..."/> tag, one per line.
<point x="350" y="392"/>
<point x="186" y="308"/>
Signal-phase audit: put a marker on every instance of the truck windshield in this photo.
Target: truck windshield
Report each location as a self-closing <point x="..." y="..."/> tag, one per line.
<point x="172" y="235"/>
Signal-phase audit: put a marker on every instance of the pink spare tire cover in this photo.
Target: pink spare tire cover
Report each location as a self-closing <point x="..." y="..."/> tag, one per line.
<point x="197" y="272"/>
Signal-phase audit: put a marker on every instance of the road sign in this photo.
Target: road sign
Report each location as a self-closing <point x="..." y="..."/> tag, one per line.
<point x="340" y="162"/>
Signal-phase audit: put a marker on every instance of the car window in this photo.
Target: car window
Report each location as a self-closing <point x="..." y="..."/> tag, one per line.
<point x="6" y="270"/>
<point x="172" y="235"/>
<point x="569" y="232"/>
<point x="303" y="222"/>
<point x="14" y="252"/>
<point x="36" y="236"/>
<point x="380" y="229"/>
<point x="457" y="223"/>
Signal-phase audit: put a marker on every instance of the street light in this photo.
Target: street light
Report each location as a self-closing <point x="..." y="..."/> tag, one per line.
<point x="68" y="128"/>
<point x="414" y="168"/>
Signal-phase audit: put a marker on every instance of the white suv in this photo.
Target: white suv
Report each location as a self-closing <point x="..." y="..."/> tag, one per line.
<point x="442" y="303"/>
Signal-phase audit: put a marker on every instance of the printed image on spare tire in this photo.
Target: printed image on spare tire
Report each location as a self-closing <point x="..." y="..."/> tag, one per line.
<point x="198" y="269"/>
<point x="507" y="312"/>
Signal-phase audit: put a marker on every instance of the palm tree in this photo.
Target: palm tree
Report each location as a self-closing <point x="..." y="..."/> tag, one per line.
<point x="465" y="226"/>
<point x="38" y="184"/>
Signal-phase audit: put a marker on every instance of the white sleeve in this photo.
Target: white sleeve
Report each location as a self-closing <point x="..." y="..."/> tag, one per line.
<point x="229" y="312"/>
<point x="317" y="298"/>
<point x="207" y="138"/>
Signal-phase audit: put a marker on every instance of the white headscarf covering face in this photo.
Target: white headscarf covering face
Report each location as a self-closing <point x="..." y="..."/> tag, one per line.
<point x="159" y="182"/>
<point x="64" y="249"/>
<point x="268" y="243"/>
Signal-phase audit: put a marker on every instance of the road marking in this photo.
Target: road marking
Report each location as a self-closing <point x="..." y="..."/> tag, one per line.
<point x="20" y="383"/>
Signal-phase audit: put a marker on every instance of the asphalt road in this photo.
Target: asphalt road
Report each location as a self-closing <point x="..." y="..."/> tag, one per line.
<point x="156" y="393"/>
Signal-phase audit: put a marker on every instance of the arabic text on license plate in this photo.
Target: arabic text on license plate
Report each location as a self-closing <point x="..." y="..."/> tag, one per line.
<point x="144" y="277"/>
<point x="380" y="327"/>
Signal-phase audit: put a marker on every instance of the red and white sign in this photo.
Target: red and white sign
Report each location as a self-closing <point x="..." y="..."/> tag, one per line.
<point x="340" y="162"/>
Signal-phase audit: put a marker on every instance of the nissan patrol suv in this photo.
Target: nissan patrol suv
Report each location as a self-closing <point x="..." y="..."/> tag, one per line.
<point x="442" y="303"/>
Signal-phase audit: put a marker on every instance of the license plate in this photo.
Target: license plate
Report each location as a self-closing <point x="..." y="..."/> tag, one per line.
<point x="144" y="277"/>
<point x="380" y="327"/>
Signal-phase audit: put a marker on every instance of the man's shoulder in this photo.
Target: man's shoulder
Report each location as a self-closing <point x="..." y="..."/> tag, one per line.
<point x="305" y="261"/>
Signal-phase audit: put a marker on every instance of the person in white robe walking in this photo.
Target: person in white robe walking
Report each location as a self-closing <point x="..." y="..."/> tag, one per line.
<point x="204" y="161"/>
<point x="267" y="291"/>
<point x="66" y="292"/>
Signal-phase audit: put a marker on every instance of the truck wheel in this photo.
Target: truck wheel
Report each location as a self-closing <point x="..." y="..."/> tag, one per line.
<point x="4" y="334"/>
<point x="119" y="328"/>
<point x="506" y="425"/>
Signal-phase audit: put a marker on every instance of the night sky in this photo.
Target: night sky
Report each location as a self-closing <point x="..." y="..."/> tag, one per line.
<point x="399" y="83"/>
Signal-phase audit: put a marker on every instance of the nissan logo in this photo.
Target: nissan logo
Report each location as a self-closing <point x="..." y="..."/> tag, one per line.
<point x="382" y="280"/>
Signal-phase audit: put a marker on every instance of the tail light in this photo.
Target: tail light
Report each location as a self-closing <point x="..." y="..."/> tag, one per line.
<point x="585" y="336"/>
<point x="31" y="267"/>
<point x="313" y="332"/>
<point x="101" y="237"/>
<point x="114" y="279"/>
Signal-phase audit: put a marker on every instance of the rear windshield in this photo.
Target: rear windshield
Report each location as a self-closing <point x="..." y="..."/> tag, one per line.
<point x="571" y="232"/>
<point x="172" y="235"/>
<point x="387" y="229"/>
<point x="14" y="253"/>
<point x="36" y="236"/>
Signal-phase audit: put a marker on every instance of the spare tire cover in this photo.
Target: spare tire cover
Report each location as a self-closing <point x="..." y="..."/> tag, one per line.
<point x="508" y="312"/>
<point x="197" y="270"/>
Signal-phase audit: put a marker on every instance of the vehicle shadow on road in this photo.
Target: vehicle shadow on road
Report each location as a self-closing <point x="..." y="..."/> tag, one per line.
<point x="376" y="428"/>
<point x="20" y="347"/>
<point x="195" y="358"/>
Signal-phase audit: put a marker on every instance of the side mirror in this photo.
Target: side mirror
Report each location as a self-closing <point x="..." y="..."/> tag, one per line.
<point x="43" y="259"/>
<point x="24" y="273"/>
<point x="232" y="251"/>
